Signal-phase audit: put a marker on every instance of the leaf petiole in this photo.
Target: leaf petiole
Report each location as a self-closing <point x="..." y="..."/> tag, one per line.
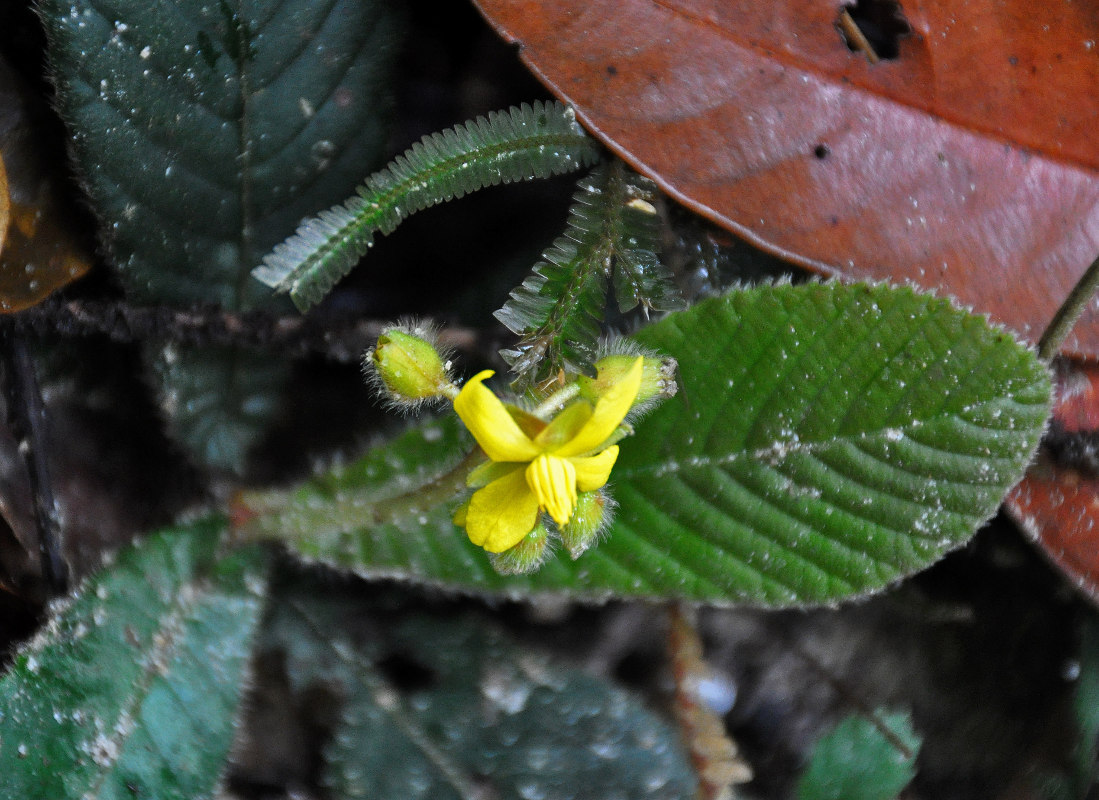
<point x="1070" y="311"/>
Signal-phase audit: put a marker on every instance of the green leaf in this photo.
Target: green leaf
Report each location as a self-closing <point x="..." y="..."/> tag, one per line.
<point x="611" y="230"/>
<point x="133" y="687"/>
<point x="520" y="144"/>
<point x="204" y="131"/>
<point x="862" y="759"/>
<point x="465" y="712"/>
<point x="826" y="441"/>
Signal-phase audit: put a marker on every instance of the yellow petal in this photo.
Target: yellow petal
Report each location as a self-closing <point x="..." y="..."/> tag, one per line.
<point x="490" y="423"/>
<point x="502" y="513"/>
<point x="592" y="472"/>
<point x="610" y="410"/>
<point x="564" y="426"/>
<point x="553" y="482"/>
<point x="488" y="471"/>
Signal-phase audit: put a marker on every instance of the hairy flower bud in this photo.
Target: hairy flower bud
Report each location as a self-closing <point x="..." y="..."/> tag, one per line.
<point x="526" y="556"/>
<point x="657" y="379"/>
<point x="593" y="515"/>
<point x="408" y="366"/>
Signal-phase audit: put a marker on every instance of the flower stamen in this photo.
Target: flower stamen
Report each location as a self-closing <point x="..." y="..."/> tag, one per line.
<point x="553" y="481"/>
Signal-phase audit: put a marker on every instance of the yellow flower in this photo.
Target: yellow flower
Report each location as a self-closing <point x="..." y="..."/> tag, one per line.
<point x="536" y="466"/>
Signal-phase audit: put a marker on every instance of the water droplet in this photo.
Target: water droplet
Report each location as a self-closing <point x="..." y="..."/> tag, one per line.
<point x="531" y="791"/>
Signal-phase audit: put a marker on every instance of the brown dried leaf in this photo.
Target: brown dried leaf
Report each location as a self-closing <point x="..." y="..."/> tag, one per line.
<point x="1057" y="503"/>
<point x="38" y="252"/>
<point x="968" y="164"/>
<point x="713" y="753"/>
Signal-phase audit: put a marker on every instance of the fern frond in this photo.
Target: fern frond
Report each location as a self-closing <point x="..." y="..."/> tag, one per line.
<point x="612" y="229"/>
<point x="532" y="141"/>
<point x="640" y="277"/>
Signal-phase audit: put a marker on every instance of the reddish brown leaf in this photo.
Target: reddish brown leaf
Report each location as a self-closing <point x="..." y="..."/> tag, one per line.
<point x="1057" y="503"/>
<point x="5" y="206"/>
<point x="1059" y="509"/>
<point x="969" y="163"/>
<point x="38" y="254"/>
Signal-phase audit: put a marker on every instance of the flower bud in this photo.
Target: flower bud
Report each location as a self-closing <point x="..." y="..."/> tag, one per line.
<point x="657" y="379"/>
<point x="527" y="556"/>
<point x="591" y="517"/>
<point x="408" y="366"/>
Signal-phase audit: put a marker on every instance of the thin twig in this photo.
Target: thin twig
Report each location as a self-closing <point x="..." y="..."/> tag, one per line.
<point x="856" y="39"/>
<point x="1070" y="311"/>
<point x="27" y="420"/>
<point x="856" y="700"/>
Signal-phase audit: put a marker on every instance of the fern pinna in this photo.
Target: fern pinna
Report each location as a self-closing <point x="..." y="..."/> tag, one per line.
<point x="532" y="141"/>
<point x="612" y="233"/>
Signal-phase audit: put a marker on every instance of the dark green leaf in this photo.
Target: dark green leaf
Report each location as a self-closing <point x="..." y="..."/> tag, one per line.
<point x="826" y="441"/>
<point x="862" y="759"/>
<point x="204" y="131"/>
<point x="218" y="400"/>
<point x="133" y="687"/>
<point x="464" y="713"/>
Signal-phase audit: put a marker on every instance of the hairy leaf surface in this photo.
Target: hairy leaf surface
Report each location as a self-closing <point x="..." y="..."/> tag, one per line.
<point x="531" y="141"/>
<point x="826" y="441"/>
<point x="204" y="131"/>
<point x="862" y="759"/>
<point x="133" y="687"/>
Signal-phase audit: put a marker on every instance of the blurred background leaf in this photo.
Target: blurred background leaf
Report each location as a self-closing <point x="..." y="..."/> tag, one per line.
<point x="39" y="252"/>
<point x="132" y="688"/>
<point x="862" y="759"/>
<point x="463" y="710"/>
<point x="1057" y="502"/>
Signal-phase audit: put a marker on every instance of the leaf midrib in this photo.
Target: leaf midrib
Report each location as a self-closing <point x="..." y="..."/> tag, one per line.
<point x="780" y="451"/>
<point x="162" y="647"/>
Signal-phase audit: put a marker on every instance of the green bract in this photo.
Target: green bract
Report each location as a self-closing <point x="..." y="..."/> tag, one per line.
<point x="531" y="141"/>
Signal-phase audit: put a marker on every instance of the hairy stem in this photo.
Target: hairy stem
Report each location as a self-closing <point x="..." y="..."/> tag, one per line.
<point x="1070" y="311"/>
